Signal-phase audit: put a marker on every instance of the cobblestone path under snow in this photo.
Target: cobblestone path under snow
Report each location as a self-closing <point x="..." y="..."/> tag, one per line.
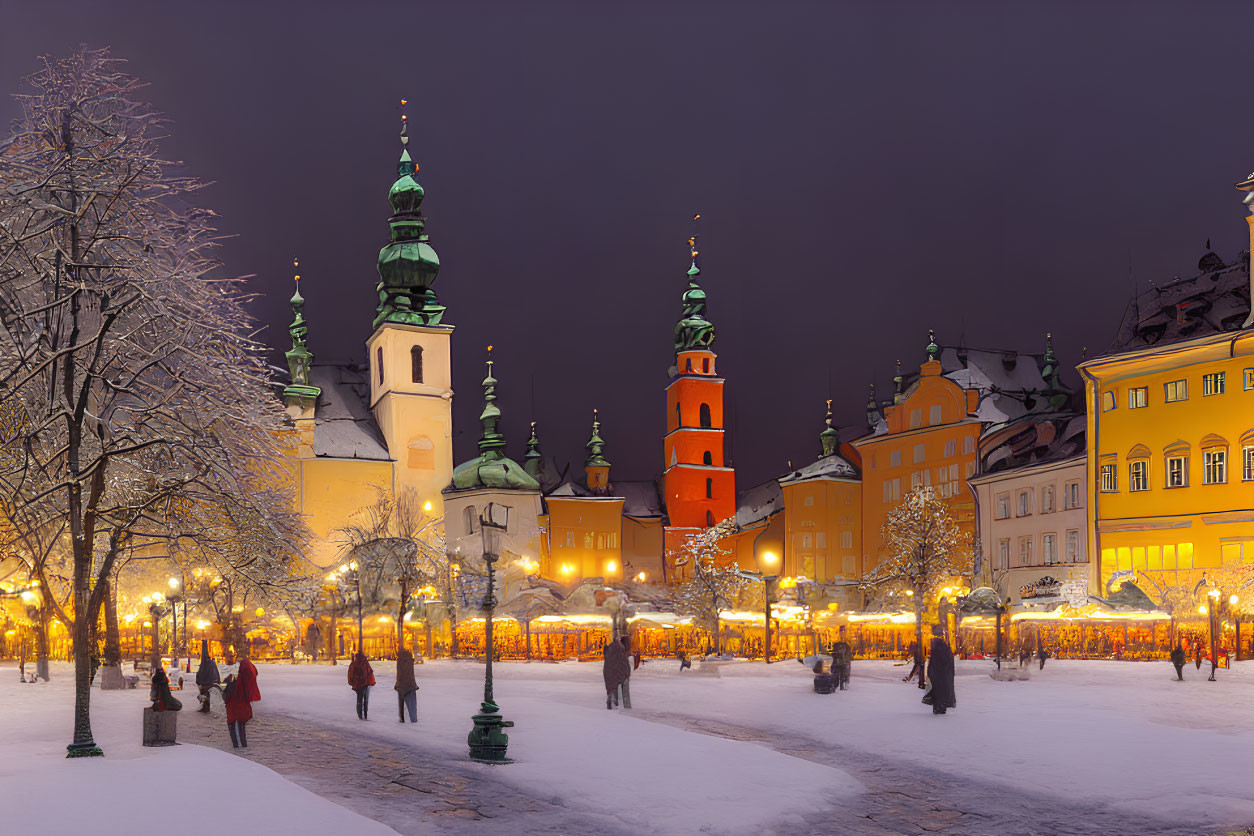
<point x="409" y="788"/>
<point x="903" y="798"/>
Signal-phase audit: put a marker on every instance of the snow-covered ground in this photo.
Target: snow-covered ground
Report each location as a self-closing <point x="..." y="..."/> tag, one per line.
<point x="1090" y="734"/>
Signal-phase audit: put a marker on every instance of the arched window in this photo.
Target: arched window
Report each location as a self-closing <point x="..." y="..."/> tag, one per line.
<point x="707" y="458"/>
<point x="469" y="519"/>
<point x="709" y="488"/>
<point x="705" y="415"/>
<point x="378" y="354"/>
<point x="709" y="519"/>
<point x="415" y="361"/>
<point x="679" y="421"/>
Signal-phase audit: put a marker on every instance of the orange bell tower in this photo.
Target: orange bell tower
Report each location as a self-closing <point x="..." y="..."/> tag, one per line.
<point x="698" y="488"/>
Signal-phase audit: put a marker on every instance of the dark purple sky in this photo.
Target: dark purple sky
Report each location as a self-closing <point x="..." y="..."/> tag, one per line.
<point x="864" y="171"/>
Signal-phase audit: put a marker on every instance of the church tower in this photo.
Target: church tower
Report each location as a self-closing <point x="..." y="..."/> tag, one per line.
<point x="411" y="391"/>
<point x="698" y="489"/>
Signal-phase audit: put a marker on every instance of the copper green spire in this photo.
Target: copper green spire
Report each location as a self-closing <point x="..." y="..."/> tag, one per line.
<point x="596" y="445"/>
<point x="694" y="331"/>
<point x="491" y="443"/>
<point x="299" y="358"/>
<point x="933" y="350"/>
<point x="408" y="265"/>
<point x="532" y="460"/>
<point x="872" y="409"/>
<point x="830" y="437"/>
<point x="897" y="380"/>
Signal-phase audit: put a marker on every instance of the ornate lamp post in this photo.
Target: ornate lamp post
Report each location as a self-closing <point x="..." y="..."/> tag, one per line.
<point x="488" y="743"/>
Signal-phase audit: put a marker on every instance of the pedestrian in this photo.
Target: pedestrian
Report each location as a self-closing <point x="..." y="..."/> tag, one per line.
<point x="162" y="699"/>
<point x="940" y="672"/>
<point x="1041" y="653"/>
<point x="207" y="677"/>
<point x="1197" y="658"/>
<point x="1178" y="660"/>
<point x="616" y="669"/>
<point x="241" y="693"/>
<point x="842" y="659"/>
<point x="360" y="678"/>
<point x="684" y="661"/>
<point x="918" y="664"/>
<point x="406" y="685"/>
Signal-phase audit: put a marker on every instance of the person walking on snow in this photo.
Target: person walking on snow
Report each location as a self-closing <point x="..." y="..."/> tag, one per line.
<point x="842" y="659"/>
<point x="241" y="693"/>
<point x="617" y="670"/>
<point x="360" y="678"/>
<point x="207" y="677"/>
<point x="1178" y="659"/>
<point x="1041" y="654"/>
<point x="406" y="685"/>
<point x="940" y="672"/>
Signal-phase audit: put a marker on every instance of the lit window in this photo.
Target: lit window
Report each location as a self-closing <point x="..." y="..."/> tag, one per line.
<point x="1176" y="390"/>
<point x="1108" y="401"/>
<point x="1110" y="478"/>
<point x="1138" y="475"/>
<point x="1177" y="471"/>
<point x="805" y="542"/>
<point x="1247" y="376"/>
<point x="916" y="480"/>
<point x="1073" y="546"/>
<point x="934" y="416"/>
<point x="1003" y="506"/>
<point x="1213" y="384"/>
<point x="970" y="469"/>
<point x="1247" y="462"/>
<point x="1138" y="398"/>
<point x="1214" y="467"/>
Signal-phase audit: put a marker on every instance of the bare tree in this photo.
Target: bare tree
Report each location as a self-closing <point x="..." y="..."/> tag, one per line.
<point x="926" y="550"/>
<point x="138" y="387"/>
<point x="713" y="585"/>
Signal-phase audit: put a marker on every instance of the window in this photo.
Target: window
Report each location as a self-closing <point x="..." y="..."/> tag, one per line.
<point x="707" y="458"/>
<point x="1214" y="466"/>
<point x="1003" y="506"/>
<point x="1138" y="475"/>
<point x="968" y="445"/>
<point x="1109" y="478"/>
<point x="1025" y="503"/>
<point x="805" y="541"/>
<point x="378" y="355"/>
<point x="934" y="415"/>
<point x="953" y="471"/>
<point x="709" y="519"/>
<point x="1176" y="390"/>
<point x="846" y="539"/>
<point x="895" y="492"/>
<point x="1138" y="398"/>
<point x="1247" y="377"/>
<point x="951" y="448"/>
<point x="1213" y="384"/>
<point x="679" y="421"/>
<point x="469" y="519"/>
<point x="1108" y="401"/>
<point x="705" y="366"/>
<point x="688" y="365"/>
<point x="1048" y="551"/>
<point x="894" y="458"/>
<point x="1247" y="462"/>
<point x="916" y="418"/>
<point x="1073" y="546"/>
<point x="415" y="363"/>
<point x="970" y="469"/>
<point x="570" y="539"/>
<point x="705" y="415"/>
<point x="820" y="540"/>
<point x="920" y="452"/>
<point x="709" y="490"/>
<point x="1047" y="499"/>
<point x="1025" y="551"/>
<point x="916" y="480"/>
<point x="588" y="540"/>
<point x="1003" y="554"/>
<point x="611" y="540"/>
<point x="600" y="541"/>
<point x="1177" y="471"/>
<point x="809" y="500"/>
<point x="1071" y="495"/>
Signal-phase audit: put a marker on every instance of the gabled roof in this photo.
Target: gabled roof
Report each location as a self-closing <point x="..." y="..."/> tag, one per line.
<point x="1216" y="300"/>
<point x="834" y="466"/>
<point x="1033" y="439"/>
<point x="344" y="426"/>
<point x="759" y="502"/>
<point x="641" y="499"/>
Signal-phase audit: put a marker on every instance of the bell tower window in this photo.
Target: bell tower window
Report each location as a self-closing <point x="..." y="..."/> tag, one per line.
<point x="709" y="519"/>
<point x="378" y="357"/>
<point x="415" y="361"/>
<point x="705" y="365"/>
<point x="707" y="458"/>
<point x="705" y="416"/>
<point x="679" y="421"/>
<point x="709" y="488"/>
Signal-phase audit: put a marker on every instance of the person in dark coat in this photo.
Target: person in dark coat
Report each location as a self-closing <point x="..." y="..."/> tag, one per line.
<point x="406" y="685"/>
<point x="616" y="670"/>
<point x="842" y="659"/>
<point x="1178" y="659"/>
<point x="207" y="677"/>
<point x="940" y="672"/>
<point x="1041" y="654"/>
<point x="162" y="699"/>
<point x="917" y="657"/>
<point x="241" y="693"/>
<point x="1197" y="658"/>
<point x="360" y="678"/>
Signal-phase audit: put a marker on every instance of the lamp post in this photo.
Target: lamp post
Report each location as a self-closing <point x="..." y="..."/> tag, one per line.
<point x="487" y="742"/>
<point x="176" y="597"/>
<point x="1213" y="594"/>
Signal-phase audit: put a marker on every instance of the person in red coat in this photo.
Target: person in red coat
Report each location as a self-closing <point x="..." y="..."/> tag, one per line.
<point x="241" y="693"/>
<point x="360" y="678"/>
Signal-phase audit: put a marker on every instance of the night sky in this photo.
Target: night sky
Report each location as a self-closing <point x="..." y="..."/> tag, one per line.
<point x="864" y="171"/>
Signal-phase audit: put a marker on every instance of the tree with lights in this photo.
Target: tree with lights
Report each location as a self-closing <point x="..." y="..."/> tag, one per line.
<point x="926" y="550"/>
<point x="709" y="587"/>
<point x="141" y="395"/>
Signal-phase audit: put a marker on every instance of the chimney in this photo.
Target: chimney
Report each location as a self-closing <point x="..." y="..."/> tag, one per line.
<point x="1247" y="186"/>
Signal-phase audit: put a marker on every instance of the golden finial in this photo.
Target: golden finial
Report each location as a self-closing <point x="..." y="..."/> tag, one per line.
<point x="296" y="266"/>
<point x="489" y="359"/>
<point x="829" y="404"/>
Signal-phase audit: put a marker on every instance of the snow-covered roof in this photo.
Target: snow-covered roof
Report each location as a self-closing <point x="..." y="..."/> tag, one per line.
<point x="641" y="498"/>
<point x="344" y="427"/>
<point x="1033" y="439"/>
<point x="834" y="466"/>
<point x="757" y="503"/>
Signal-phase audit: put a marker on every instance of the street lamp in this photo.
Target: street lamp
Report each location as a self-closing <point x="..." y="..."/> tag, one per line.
<point x="487" y="742"/>
<point x="1213" y="594"/>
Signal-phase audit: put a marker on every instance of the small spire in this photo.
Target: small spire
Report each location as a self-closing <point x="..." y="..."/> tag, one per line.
<point x="532" y="460"/>
<point x="1051" y="371"/>
<point x="596" y="445"/>
<point x="694" y="331"/>
<point x="406" y="164"/>
<point x="492" y="442"/>
<point x="872" y="409"/>
<point x="299" y="358"/>
<point x="695" y="269"/>
<point x="897" y="380"/>
<point x="933" y="350"/>
<point x="830" y="437"/>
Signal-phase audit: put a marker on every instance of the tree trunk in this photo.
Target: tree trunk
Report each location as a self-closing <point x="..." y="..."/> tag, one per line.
<point x="333" y="649"/>
<point x="113" y="639"/>
<point x="41" y="644"/>
<point x="918" y="634"/>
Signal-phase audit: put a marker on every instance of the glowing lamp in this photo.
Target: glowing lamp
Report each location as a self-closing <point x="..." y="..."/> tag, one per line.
<point x="641" y="577"/>
<point x="343" y="567"/>
<point x="1202" y="610"/>
<point x="910" y="592"/>
<point x="353" y="566"/>
<point x="611" y="566"/>
<point x="1233" y="600"/>
<point x="146" y="599"/>
<point x="769" y="557"/>
<point x="260" y="612"/>
<point x="1214" y="593"/>
<point x="426" y="506"/>
<point x="28" y="597"/>
<point x="174" y="583"/>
